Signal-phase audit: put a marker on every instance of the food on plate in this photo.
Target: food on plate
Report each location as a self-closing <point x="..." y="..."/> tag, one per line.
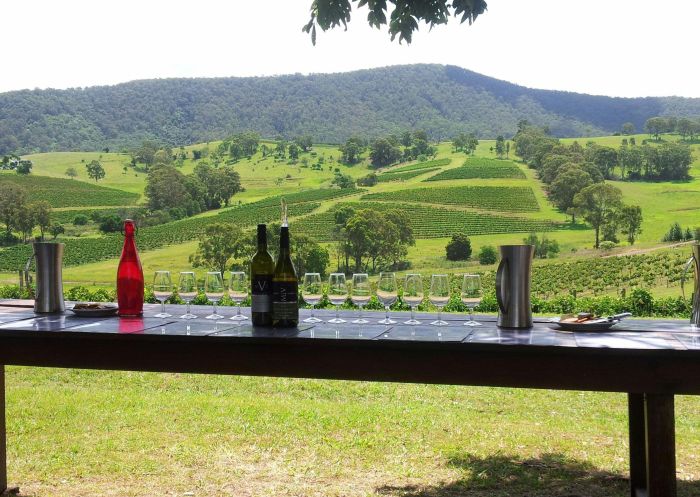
<point x="93" y="306"/>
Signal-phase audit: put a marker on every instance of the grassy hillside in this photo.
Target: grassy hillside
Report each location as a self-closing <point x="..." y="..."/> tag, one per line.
<point x="483" y="207"/>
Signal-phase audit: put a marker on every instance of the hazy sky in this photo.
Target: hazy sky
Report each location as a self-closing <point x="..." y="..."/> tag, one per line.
<point x="618" y="47"/>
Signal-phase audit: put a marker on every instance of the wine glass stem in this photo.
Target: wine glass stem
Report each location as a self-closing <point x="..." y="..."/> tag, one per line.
<point x="188" y="307"/>
<point x="359" y="313"/>
<point x="313" y="308"/>
<point x="471" y="314"/>
<point x="439" y="313"/>
<point x="239" y="309"/>
<point x="214" y="307"/>
<point x="413" y="313"/>
<point x="386" y="308"/>
<point x="337" y="312"/>
<point x="162" y="306"/>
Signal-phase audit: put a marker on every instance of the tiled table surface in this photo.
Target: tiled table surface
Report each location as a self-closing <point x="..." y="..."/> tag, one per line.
<point x="630" y="334"/>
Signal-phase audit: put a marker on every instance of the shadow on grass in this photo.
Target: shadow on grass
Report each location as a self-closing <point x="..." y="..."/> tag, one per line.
<point x="550" y="475"/>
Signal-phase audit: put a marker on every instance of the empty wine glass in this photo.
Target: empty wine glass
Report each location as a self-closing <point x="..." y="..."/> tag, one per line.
<point x="162" y="290"/>
<point x="360" y="294"/>
<point x="386" y="293"/>
<point x="187" y="289"/>
<point x="413" y="295"/>
<point x="337" y="294"/>
<point x="439" y="295"/>
<point x="214" y="289"/>
<point x="312" y="292"/>
<point x="238" y="291"/>
<point x="471" y="295"/>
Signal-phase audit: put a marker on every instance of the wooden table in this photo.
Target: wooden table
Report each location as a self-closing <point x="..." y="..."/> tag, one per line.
<point x="649" y="360"/>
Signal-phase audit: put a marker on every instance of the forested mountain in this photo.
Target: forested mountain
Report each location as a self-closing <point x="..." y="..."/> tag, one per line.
<point x="442" y="100"/>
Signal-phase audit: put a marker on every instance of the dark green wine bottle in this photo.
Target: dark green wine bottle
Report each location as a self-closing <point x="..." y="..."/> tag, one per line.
<point x="285" y="308"/>
<point x="262" y="268"/>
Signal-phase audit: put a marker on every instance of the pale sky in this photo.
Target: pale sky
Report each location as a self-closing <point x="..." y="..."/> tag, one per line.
<point x="619" y="47"/>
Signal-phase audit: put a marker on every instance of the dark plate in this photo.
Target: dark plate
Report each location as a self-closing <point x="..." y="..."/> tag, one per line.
<point x="96" y="313"/>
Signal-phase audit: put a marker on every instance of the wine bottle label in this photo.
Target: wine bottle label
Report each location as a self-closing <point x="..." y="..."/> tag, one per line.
<point x="284" y="300"/>
<point x="261" y="293"/>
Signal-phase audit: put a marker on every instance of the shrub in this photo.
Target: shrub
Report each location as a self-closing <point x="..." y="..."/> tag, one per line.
<point x="80" y="220"/>
<point x="459" y="248"/>
<point x="111" y="224"/>
<point x="487" y="255"/>
<point x="607" y="245"/>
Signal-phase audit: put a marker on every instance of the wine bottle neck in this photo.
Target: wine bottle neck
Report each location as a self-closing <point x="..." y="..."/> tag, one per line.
<point x="262" y="238"/>
<point x="284" y="239"/>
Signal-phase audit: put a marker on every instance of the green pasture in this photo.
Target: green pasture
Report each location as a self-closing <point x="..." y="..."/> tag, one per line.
<point x="80" y="432"/>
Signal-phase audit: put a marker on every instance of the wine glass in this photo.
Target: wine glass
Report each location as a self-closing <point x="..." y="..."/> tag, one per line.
<point x="238" y="291"/>
<point x="413" y="295"/>
<point x="312" y="292"/>
<point x="471" y="295"/>
<point x="439" y="295"/>
<point x="360" y="294"/>
<point x="162" y="290"/>
<point x="337" y="294"/>
<point x="386" y="293"/>
<point x="187" y="289"/>
<point x="214" y="289"/>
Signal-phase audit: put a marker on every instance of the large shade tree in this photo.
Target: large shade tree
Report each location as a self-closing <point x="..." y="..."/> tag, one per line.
<point x="403" y="16"/>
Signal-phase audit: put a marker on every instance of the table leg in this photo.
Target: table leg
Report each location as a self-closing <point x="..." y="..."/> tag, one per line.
<point x="637" y="434"/>
<point x="3" y="444"/>
<point x="660" y="445"/>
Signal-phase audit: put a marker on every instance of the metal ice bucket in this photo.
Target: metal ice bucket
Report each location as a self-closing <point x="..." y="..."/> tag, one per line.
<point x="49" y="277"/>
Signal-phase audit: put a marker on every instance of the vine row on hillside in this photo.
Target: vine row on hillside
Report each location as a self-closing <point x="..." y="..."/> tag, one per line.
<point x="430" y="222"/>
<point x="499" y="198"/>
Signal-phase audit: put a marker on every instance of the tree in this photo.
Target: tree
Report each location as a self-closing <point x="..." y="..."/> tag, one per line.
<point x="565" y="187"/>
<point x="606" y="160"/>
<point x="13" y="199"/>
<point x="218" y="244"/>
<point x="487" y="255"/>
<point x="631" y="222"/>
<point x="165" y="188"/>
<point x="308" y="256"/>
<point x="42" y="215"/>
<point x="352" y="150"/>
<point x="383" y="152"/>
<point x="293" y="151"/>
<point x="628" y="128"/>
<point x="81" y="220"/>
<point x="162" y="157"/>
<point x="343" y="181"/>
<point x="598" y="204"/>
<point x="368" y="180"/>
<point x="95" y="170"/>
<point x="25" y="222"/>
<point x="71" y="173"/>
<point x="655" y="126"/>
<point x="500" y="146"/>
<point x="304" y="142"/>
<point x="56" y="229"/>
<point x="459" y="248"/>
<point x="403" y="19"/>
<point x="229" y="183"/>
<point x="544" y="247"/>
<point x="110" y="224"/>
<point x="24" y="167"/>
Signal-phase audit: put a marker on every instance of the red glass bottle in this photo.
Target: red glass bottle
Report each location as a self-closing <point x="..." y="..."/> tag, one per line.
<point x="130" y="275"/>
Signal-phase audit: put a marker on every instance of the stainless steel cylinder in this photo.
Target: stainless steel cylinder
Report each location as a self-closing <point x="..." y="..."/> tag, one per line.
<point x="513" y="286"/>
<point x="49" y="277"/>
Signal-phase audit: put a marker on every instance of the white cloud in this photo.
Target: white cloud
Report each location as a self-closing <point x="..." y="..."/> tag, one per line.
<point x="623" y="48"/>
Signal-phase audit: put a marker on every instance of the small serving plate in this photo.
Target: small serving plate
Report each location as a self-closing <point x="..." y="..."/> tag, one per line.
<point x="96" y="312"/>
<point x="594" y="325"/>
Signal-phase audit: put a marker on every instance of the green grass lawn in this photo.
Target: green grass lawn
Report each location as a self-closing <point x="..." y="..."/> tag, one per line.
<point x="77" y="432"/>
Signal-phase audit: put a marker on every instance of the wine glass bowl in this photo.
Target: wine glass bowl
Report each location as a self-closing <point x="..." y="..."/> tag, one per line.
<point x="387" y="294"/>
<point x="337" y="294"/>
<point x="187" y="290"/>
<point x="162" y="290"/>
<point x="439" y="295"/>
<point x="360" y="294"/>
<point x="413" y="295"/>
<point x="238" y="291"/>
<point x="214" y="289"/>
<point x="312" y="291"/>
<point x="471" y="295"/>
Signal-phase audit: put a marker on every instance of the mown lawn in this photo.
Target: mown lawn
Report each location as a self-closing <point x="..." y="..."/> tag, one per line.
<point x="86" y="433"/>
